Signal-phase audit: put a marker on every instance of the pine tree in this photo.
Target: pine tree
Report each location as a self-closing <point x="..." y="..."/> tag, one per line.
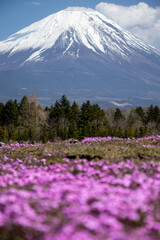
<point x="65" y="106"/>
<point x="156" y="115"/>
<point x="1" y="134"/>
<point x="44" y="133"/>
<point x="115" y="132"/>
<point x="146" y="131"/>
<point x="140" y="112"/>
<point x="10" y="113"/>
<point x="120" y="133"/>
<point x="1" y="112"/>
<point x="85" y="119"/>
<point x="131" y="118"/>
<point x="56" y="112"/>
<point x="136" y="133"/>
<point x="92" y="120"/>
<point x="118" y="115"/>
<point x="73" y="130"/>
<point x="150" y="114"/>
<point x="75" y="113"/>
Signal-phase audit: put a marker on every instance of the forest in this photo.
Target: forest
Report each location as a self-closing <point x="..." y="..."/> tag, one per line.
<point x="28" y="121"/>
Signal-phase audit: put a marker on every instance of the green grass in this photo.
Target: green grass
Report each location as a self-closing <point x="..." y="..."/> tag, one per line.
<point x="113" y="151"/>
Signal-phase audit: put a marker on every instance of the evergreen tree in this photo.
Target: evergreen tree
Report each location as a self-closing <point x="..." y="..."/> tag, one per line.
<point x="150" y="114"/>
<point x="118" y="115"/>
<point x="29" y="121"/>
<point x="131" y="118"/>
<point x="10" y="113"/>
<point x="1" y="134"/>
<point x="126" y="133"/>
<point x="59" y="117"/>
<point x="65" y="106"/>
<point x="1" y="112"/>
<point x="75" y="113"/>
<point x="141" y="132"/>
<point x="146" y="131"/>
<point x="45" y="133"/>
<point x="92" y="120"/>
<point x="115" y="131"/>
<point x="120" y="132"/>
<point x="140" y="112"/>
<point x="56" y="112"/>
<point x="85" y="119"/>
<point x="73" y="130"/>
<point x="156" y="114"/>
<point x="136" y="133"/>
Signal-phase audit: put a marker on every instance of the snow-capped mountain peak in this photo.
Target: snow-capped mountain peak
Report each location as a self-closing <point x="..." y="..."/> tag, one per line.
<point x="70" y="27"/>
<point x="80" y="53"/>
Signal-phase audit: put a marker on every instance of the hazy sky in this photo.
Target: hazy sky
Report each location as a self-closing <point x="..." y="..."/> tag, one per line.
<point x="142" y="18"/>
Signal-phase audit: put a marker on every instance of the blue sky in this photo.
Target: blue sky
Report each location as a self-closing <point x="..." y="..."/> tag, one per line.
<point x="17" y="14"/>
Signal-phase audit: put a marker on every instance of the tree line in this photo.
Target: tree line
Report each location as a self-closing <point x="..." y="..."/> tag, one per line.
<point x="28" y="121"/>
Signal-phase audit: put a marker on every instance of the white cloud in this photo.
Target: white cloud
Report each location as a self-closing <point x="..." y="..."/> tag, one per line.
<point x="141" y="20"/>
<point x="33" y="3"/>
<point x="36" y="3"/>
<point x="79" y="9"/>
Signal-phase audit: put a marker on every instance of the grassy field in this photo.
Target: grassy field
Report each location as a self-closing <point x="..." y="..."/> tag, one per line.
<point x="96" y="189"/>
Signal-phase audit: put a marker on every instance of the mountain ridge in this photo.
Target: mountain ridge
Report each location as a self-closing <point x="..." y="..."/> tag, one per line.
<point x="80" y="49"/>
<point x="74" y="26"/>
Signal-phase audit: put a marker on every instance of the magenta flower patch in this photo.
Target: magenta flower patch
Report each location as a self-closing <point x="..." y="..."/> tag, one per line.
<point x="79" y="199"/>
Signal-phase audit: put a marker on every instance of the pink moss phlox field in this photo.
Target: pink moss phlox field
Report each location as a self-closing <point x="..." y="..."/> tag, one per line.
<point x="79" y="199"/>
<point x="108" y="139"/>
<point x="19" y="145"/>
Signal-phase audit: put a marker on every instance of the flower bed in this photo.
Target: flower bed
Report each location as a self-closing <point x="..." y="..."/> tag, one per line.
<point x="78" y="199"/>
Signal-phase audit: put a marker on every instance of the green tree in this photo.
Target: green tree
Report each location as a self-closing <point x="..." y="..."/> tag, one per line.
<point x="10" y="113"/>
<point x="65" y="106"/>
<point x="92" y="120"/>
<point x="1" y="113"/>
<point x="140" y="113"/>
<point x="120" y="132"/>
<point x="1" y="134"/>
<point x="118" y="115"/>
<point x="75" y="113"/>
<point x="59" y="117"/>
<point x="45" y="133"/>
<point x="73" y="130"/>
<point x="156" y="115"/>
<point x="141" y="131"/>
<point x="131" y="131"/>
<point x="150" y="114"/>
<point x="56" y="112"/>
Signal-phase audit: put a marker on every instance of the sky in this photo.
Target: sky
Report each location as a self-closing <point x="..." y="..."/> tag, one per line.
<point x="142" y="18"/>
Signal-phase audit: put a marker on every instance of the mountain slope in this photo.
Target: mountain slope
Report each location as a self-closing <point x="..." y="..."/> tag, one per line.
<point x="81" y="53"/>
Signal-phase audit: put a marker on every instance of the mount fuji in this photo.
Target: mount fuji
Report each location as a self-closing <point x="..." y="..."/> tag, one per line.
<point x="80" y="53"/>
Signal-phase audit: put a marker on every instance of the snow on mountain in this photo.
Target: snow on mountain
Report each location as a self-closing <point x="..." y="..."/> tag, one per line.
<point x="83" y="54"/>
<point x="80" y="26"/>
<point x="121" y="104"/>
